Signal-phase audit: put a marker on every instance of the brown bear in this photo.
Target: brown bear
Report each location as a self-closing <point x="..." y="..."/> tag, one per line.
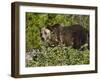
<point x="74" y="35"/>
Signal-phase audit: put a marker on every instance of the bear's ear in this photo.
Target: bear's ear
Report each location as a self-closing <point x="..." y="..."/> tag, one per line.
<point x="50" y="28"/>
<point x="53" y="26"/>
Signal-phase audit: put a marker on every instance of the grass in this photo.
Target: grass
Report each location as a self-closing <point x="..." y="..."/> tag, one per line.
<point x="58" y="56"/>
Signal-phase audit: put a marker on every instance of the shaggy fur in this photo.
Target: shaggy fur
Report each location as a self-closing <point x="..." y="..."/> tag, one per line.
<point x="74" y="35"/>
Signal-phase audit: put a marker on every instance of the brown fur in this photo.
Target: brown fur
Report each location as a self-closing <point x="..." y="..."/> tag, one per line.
<point x="74" y="35"/>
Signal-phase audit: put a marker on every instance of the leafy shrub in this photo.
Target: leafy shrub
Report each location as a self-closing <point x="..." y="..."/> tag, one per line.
<point x="57" y="56"/>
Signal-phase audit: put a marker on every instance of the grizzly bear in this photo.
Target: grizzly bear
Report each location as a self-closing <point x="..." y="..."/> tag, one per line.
<point x="74" y="35"/>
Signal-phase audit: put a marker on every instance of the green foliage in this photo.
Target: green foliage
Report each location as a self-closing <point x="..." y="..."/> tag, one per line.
<point x="53" y="56"/>
<point x="57" y="56"/>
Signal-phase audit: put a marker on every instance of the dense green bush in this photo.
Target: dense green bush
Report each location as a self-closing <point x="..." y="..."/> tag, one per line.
<point x="52" y="56"/>
<point x="57" y="56"/>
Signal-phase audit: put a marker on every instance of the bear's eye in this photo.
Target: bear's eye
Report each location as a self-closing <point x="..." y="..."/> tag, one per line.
<point x="45" y="33"/>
